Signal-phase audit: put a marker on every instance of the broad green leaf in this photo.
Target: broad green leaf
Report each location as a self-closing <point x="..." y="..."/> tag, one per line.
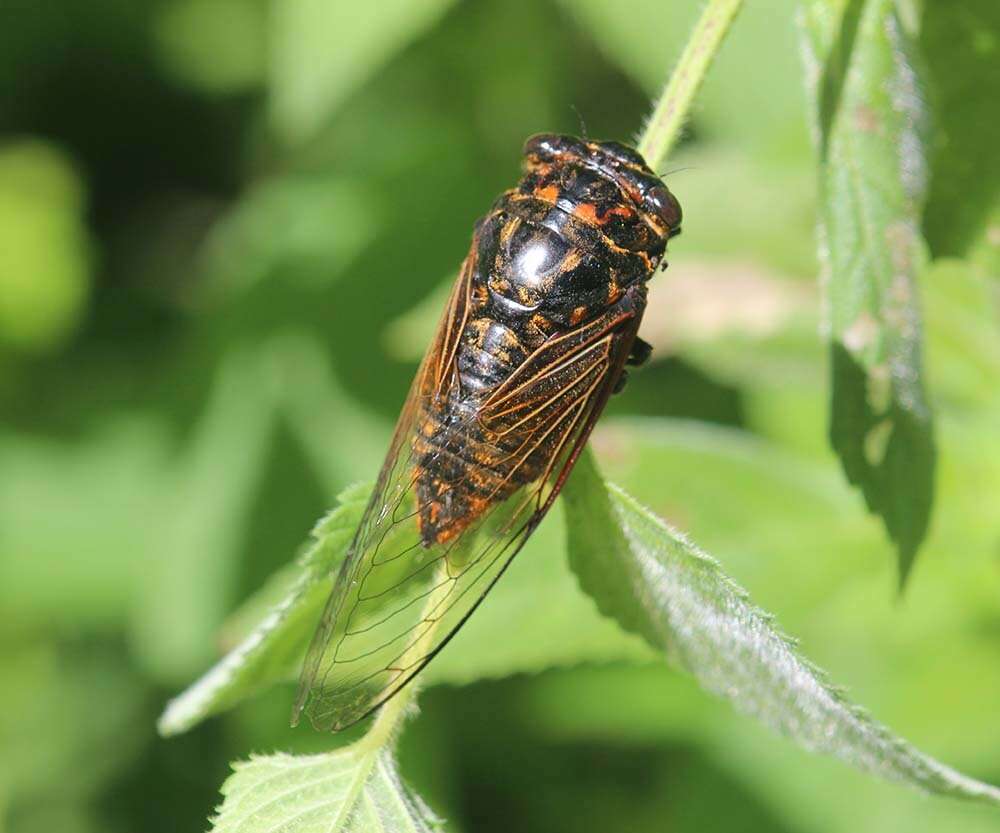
<point x="749" y="500"/>
<point x="348" y="791"/>
<point x="322" y="51"/>
<point x="753" y="504"/>
<point x="285" y="615"/>
<point x="869" y="123"/>
<point x="960" y="41"/>
<point x="657" y="583"/>
<point x="536" y="618"/>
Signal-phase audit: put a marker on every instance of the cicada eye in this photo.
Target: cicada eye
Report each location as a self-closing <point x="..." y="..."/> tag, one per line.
<point x="550" y="146"/>
<point x="664" y="205"/>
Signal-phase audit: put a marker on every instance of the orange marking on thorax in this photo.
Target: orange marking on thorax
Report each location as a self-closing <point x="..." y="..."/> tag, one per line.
<point x="587" y="211"/>
<point x="619" y="210"/>
<point x="550" y="193"/>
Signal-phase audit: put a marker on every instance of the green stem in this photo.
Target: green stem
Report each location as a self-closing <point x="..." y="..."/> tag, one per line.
<point x="391" y="713"/>
<point x="671" y="111"/>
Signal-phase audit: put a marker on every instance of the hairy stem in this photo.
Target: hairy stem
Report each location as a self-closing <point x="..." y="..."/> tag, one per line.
<point x="671" y="111"/>
<point x="391" y="714"/>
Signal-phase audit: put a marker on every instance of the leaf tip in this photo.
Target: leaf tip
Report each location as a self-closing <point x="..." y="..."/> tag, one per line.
<point x="172" y="721"/>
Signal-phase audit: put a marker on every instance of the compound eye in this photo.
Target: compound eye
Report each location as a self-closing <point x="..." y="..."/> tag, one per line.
<point x="661" y="202"/>
<point x="550" y="146"/>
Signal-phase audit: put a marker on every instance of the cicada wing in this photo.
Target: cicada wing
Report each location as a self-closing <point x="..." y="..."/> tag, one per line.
<point x="387" y="523"/>
<point x="399" y="599"/>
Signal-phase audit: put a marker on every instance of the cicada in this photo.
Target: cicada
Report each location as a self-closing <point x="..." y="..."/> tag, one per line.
<point x="534" y="339"/>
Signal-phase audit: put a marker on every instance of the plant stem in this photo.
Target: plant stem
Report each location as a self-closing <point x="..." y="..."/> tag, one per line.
<point x="391" y="713"/>
<point x="668" y="117"/>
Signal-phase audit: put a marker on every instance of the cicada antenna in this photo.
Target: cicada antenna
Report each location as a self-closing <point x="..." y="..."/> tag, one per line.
<point x="677" y="171"/>
<point x="583" y="125"/>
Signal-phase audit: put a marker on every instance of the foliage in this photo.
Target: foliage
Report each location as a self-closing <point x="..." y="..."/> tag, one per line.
<point x="353" y="789"/>
<point x="240" y="260"/>
<point x="870" y="130"/>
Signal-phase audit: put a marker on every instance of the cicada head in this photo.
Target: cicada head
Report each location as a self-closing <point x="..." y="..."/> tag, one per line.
<point x="608" y="184"/>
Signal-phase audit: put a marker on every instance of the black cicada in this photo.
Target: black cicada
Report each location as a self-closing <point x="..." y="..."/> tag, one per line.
<point x="535" y="337"/>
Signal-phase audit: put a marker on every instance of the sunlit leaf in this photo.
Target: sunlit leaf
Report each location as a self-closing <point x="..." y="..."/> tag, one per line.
<point x="348" y="791"/>
<point x="727" y="486"/>
<point x="658" y="584"/>
<point x="870" y="124"/>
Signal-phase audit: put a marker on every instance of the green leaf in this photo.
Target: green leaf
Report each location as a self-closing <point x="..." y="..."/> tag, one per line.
<point x="657" y="583"/>
<point x="286" y="613"/>
<point x="869" y="116"/>
<point x="353" y="789"/>
<point x="535" y="619"/>
<point x="556" y="624"/>
<point x="748" y="499"/>
<point x="960" y="41"/>
<point x="323" y="51"/>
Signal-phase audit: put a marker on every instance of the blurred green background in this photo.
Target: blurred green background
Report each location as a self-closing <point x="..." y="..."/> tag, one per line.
<point x="225" y="231"/>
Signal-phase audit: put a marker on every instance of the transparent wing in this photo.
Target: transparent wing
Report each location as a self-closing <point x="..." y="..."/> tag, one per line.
<point x="398" y="599"/>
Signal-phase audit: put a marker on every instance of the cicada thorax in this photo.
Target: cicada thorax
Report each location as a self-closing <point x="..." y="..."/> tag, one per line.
<point x="558" y="251"/>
